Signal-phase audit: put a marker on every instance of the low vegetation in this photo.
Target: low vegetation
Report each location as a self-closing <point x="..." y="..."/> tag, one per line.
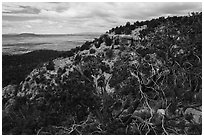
<point x="150" y="85"/>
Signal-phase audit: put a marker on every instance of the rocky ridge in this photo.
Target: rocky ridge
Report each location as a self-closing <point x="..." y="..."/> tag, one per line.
<point x="145" y="82"/>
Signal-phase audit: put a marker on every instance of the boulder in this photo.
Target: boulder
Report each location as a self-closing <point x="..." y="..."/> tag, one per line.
<point x="125" y="40"/>
<point x="9" y="91"/>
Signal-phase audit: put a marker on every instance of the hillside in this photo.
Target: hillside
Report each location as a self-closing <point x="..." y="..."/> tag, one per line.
<point x="16" y="67"/>
<point x="143" y="79"/>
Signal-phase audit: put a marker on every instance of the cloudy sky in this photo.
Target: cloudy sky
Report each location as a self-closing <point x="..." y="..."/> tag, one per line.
<point x="79" y="17"/>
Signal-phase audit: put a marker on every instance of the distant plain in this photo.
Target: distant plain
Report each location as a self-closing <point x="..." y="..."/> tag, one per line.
<point x="19" y="44"/>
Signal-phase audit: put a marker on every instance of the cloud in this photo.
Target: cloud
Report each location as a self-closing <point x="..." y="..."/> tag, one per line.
<point x="54" y="17"/>
<point x="23" y="9"/>
<point x="144" y="11"/>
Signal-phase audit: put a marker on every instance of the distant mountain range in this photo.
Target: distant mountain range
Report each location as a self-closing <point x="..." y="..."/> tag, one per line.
<point x="33" y="34"/>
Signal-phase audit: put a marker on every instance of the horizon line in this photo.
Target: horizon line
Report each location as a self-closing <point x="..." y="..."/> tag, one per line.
<point x="51" y="33"/>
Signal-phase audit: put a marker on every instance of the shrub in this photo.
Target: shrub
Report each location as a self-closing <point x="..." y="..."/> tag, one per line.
<point x="86" y="46"/>
<point x="92" y="51"/>
<point x="127" y="31"/>
<point x="50" y="65"/>
<point x="108" y="40"/>
<point x="109" y="53"/>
